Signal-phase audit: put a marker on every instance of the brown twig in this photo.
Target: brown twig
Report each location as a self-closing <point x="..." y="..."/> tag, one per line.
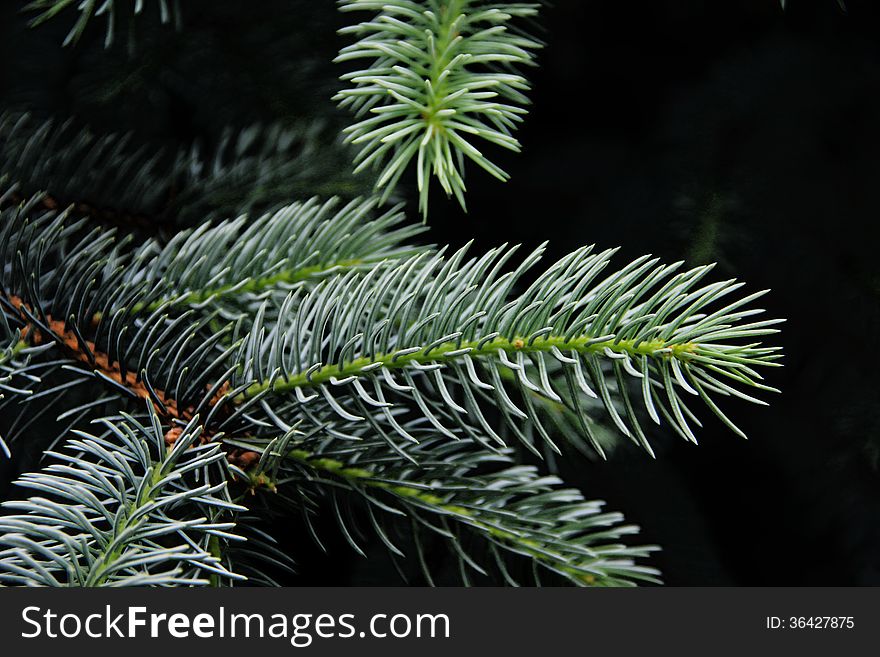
<point x="100" y="361"/>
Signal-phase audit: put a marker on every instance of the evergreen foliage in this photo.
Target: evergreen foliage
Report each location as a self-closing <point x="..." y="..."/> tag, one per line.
<point x="114" y="500"/>
<point x="250" y="170"/>
<point x="438" y="77"/>
<point x="310" y="359"/>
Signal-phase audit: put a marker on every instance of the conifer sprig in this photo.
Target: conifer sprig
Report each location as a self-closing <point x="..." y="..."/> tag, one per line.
<point x="496" y="517"/>
<point x="121" y="509"/>
<point x="252" y="170"/>
<point x="441" y="77"/>
<point x="448" y="334"/>
<point x="237" y="261"/>
<point x="308" y="357"/>
<point x="398" y="358"/>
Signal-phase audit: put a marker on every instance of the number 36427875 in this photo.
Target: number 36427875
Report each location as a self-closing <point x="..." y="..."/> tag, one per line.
<point x="811" y="622"/>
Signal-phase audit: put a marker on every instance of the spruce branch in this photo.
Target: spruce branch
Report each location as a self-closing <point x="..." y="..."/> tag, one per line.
<point x="390" y="382"/>
<point x="17" y="374"/>
<point x="160" y="323"/>
<point x="281" y="358"/>
<point x="440" y="76"/>
<point x="471" y="498"/>
<point x="439" y="331"/>
<point x="252" y="170"/>
<point x="120" y="509"/>
<point x="235" y="261"/>
<point x="245" y="258"/>
<point x="65" y="293"/>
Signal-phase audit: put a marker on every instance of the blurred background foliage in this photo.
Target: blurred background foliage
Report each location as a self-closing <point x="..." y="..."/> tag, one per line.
<point x="691" y="129"/>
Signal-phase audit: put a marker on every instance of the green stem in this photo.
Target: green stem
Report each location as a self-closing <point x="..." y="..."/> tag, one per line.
<point x="214" y="549"/>
<point x="283" y="277"/>
<point x="474" y="348"/>
<point x="434" y="503"/>
<point x="287" y="276"/>
<point x="449" y="11"/>
<point x="19" y="346"/>
<point x="116" y="546"/>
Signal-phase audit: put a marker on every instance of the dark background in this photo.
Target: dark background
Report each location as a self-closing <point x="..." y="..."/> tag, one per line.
<point x="709" y="130"/>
